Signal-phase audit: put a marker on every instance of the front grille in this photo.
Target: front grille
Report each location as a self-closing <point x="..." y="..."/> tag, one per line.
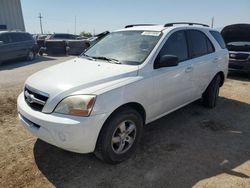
<point x="35" y="99"/>
<point x="239" y="56"/>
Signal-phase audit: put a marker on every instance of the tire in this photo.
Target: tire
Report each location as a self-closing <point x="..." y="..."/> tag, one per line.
<point x="31" y="55"/>
<point x="40" y="53"/>
<point x="211" y="94"/>
<point x="115" y="145"/>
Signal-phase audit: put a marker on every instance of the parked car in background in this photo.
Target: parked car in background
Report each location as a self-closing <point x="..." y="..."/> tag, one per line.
<point x="237" y="38"/>
<point x="40" y="40"/>
<point x="100" y="101"/>
<point x="63" y="44"/>
<point x="63" y="36"/>
<point x="15" y="44"/>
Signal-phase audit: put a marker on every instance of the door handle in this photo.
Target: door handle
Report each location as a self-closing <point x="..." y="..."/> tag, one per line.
<point x="216" y="60"/>
<point x="189" y="69"/>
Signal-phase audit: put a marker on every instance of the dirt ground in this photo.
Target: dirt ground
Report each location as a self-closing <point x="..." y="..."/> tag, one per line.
<point x="193" y="146"/>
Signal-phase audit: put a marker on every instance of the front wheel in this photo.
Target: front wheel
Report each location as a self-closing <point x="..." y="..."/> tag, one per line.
<point x="211" y="94"/>
<point x="119" y="136"/>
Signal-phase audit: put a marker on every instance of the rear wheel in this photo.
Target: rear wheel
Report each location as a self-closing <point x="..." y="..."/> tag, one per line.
<point x="211" y="94"/>
<point x="119" y="136"/>
<point x="31" y="55"/>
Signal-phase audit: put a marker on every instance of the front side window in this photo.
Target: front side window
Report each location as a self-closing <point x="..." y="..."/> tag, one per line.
<point x="128" y="47"/>
<point x="176" y="45"/>
<point x="5" y="38"/>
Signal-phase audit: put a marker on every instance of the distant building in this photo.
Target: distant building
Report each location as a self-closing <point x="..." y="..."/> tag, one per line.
<point x="11" y="16"/>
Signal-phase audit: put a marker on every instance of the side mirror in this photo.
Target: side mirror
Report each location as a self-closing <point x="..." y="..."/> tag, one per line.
<point x="1" y="42"/>
<point x="167" y="61"/>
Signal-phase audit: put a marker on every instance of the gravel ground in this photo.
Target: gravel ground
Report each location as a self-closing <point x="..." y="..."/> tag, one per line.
<point x="193" y="146"/>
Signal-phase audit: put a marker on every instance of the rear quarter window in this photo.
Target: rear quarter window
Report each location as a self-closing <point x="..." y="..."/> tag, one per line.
<point x="217" y="36"/>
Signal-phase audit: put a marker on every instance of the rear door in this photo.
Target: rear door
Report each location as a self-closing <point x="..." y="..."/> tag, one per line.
<point x="201" y="52"/>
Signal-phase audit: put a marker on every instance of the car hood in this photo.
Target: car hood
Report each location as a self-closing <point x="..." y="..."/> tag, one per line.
<point x="236" y="33"/>
<point x="80" y="74"/>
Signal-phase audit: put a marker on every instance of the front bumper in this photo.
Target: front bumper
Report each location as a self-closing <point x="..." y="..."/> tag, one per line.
<point x="77" y="134"/>
<point x="239" y="65"/>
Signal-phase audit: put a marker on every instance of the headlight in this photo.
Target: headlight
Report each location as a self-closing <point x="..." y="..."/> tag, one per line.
<point x="78" y="105"/>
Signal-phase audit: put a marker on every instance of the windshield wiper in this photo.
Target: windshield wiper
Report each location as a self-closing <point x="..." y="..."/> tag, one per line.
<point x="88" y="57"/>
<point x="107" y="59"/>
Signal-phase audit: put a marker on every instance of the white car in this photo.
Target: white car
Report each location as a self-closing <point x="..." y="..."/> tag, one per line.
<point x="100" y="101"/>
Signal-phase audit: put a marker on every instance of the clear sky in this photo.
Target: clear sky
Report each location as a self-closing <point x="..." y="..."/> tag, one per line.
<point x="100" y="15"/>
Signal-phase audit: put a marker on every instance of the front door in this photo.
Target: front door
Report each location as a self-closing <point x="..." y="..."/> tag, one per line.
<point x="173" y="85"/>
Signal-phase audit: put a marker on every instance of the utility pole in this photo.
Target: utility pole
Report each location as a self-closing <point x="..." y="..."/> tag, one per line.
<point x="212" y="24"/>
<point x="75" y="25"/>
<point x="41" y="25"/>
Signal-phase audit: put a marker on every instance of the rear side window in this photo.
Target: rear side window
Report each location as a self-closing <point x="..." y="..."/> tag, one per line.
<point x="27" y="37"/>
<point x="15" y="37"/>
<point x="217" y="36"/>
<point x="20" y="37"/>
<point x="176" y="45"/>
<point x="199" y="44"/>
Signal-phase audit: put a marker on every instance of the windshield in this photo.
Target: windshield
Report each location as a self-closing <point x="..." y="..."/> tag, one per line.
<point x="128" y="47"/>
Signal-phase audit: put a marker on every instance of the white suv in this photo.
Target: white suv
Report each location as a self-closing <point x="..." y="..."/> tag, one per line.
<point x="100" y="101"/>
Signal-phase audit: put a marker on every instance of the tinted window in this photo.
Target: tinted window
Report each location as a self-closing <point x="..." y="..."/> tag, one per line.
<point x="19" y="37"/>
<point x="63" y="36"/>
<point x="199" y="44"/>
<point x="5" y="38"/>
<point x="210" y="47"/>
<point x="217" y="36"/>
<point x="15" y="37"/>
<point x="176" y="45"/>
<point x="27" y="36"/>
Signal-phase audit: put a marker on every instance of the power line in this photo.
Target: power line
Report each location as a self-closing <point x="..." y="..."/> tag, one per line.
<point x="41" y="25"/>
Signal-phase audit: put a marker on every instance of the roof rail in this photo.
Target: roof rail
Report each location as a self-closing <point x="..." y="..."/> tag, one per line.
<point x="133" y="25"/>
<point x="187" y="23"/>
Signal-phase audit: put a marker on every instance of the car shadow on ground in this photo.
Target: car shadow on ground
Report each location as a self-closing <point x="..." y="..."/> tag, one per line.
<point x="13" y="64"/>
<point x="178" y="150"/>
<point x="237" y="75"/>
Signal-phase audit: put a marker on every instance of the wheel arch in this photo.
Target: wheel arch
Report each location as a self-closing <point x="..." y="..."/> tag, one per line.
<point x="134" y="105"/>
<point x="222" y="77"/>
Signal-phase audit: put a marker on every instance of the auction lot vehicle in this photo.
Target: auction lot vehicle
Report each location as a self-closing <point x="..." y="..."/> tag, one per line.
<point x="62" y="44"/>
<point x="237" y="38"/>
<point x="65" y="36"/>
<point x="15" y="44"/>
<point x="40" y="39"/>
<point x="100" y="101"/>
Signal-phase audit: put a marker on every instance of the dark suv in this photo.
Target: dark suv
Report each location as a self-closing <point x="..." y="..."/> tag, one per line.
<point x="15" y="45"/>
